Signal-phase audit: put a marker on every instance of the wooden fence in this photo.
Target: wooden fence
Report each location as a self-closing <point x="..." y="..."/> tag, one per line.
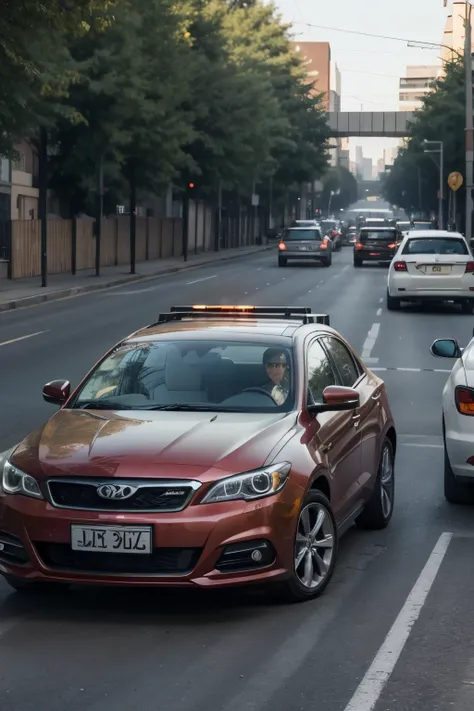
<point x="71" y="244"/>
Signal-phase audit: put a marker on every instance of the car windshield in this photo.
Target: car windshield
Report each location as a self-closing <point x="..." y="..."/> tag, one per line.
<point x="436" y="245"/>
<point x="296" y="235"/>
<point x="367" y="235"/>
<point x="192" y="375"/>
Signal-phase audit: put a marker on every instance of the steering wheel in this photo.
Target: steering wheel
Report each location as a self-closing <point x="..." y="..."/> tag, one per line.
<point x="262" y="391"/>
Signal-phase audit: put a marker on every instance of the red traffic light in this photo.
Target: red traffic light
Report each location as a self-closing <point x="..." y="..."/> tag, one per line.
<point x="191" y="185"/>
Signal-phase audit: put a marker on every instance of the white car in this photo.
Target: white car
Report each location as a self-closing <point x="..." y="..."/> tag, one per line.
<point x="458" y="420"/>
<point x="432" y="265"/>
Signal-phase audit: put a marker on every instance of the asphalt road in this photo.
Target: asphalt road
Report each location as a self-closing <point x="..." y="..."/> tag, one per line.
<point x="109" y="650"/>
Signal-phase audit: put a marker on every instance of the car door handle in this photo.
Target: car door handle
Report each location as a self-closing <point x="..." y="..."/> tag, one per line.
<point x="326" y="448"/>
<point x="356" y="420"/>
<point x="377" y="396"/>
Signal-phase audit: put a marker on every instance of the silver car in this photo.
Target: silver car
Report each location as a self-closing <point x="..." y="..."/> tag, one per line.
<point x="303" y="244"/>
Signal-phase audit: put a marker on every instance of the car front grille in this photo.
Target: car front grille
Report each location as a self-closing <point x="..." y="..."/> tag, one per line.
<point x="152" y="497"/>
<point x="164" y="561"/>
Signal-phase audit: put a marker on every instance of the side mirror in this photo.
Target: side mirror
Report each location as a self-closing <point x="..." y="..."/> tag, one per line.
<point x="446" y="348"/>
<point x="57" y="392"/>
<point x="336" y="398"/>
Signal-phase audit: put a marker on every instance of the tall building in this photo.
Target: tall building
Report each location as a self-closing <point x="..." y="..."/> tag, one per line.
<point x="454" y="32"/>
<point x="416" y="84"/>
<point x="359" y="162"/>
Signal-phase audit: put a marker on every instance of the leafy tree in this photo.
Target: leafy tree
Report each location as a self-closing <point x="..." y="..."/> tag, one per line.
<point x="34" y="58"/>
<point x="343" y="184"/>
<point x="413" y="182"/>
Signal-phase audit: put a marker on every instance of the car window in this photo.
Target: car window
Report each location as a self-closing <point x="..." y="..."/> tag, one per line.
<point x="418" y="226"/>
<point x="366" y="235"/>
<point x="435" y="245"/>
<point x="319" y="371"/>
<point x="344" y="361"/>
<point x="243" y="376"/>
<point x="296" y="234"/>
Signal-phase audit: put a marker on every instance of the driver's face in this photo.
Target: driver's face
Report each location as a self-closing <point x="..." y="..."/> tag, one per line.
<point x="276" y="372"/>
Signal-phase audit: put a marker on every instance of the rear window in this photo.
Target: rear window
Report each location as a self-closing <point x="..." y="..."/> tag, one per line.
<point x="418" y="226"/>
<point x="367" y="235"/>
<point x="296" y="235"/>
<point x="436" y="245"/>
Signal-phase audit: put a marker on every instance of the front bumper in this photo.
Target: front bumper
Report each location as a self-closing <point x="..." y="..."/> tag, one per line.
<point x="460" y="447"/>
<point x="187" y="545"/>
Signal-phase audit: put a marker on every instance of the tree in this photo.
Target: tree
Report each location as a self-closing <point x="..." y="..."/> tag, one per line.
<point x="413" y="181"/>
<point x="128" y="101"/>
<point x="34" y="58"/>
<point x="342" y="183"/>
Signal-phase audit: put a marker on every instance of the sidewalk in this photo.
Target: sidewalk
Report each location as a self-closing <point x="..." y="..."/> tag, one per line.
<point x="28" y="292"/>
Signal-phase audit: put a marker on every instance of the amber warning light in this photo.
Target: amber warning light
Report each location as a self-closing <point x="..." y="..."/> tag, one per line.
<point x="206" y="307"/>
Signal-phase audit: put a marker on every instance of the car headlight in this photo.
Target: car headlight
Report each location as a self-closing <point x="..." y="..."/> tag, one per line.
<point x="251" y="485"/>
<point x="14" y="481"/>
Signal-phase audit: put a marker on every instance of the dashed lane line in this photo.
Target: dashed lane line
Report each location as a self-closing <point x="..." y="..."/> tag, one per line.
<point x="22" y="338"/>
<point x="370" y="340"/>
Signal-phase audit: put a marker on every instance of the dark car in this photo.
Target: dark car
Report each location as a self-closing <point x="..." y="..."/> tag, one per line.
<point x="304" y="244"/>
<point x="376" y="244"/>
<point x="216" y="447"/>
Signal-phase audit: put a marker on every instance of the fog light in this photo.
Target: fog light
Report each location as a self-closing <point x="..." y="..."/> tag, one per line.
<point x="248" y="555"/>
<point x="471" y="461"/>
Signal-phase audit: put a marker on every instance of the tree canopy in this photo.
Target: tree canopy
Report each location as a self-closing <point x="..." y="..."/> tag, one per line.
<point x="413" y="181"/>
<point x="343" y="185"/>
<point x="173" y="91"/>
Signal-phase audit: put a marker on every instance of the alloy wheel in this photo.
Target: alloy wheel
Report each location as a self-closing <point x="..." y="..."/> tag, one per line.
<point x="314" y="546"/>
<point x="386" y="482"/>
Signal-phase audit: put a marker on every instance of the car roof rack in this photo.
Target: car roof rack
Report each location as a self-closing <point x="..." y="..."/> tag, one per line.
<point x="200" y="311"/>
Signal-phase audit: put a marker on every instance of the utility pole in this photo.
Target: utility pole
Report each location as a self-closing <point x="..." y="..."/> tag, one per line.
<point x="43" y="203"/>
<point x="469" y="121"/>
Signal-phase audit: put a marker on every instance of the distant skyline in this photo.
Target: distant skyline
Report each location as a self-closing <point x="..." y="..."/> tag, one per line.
<point x="370" y="67"/>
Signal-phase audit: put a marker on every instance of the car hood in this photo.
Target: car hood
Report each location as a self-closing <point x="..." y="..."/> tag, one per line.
<point x="150" y="444"/>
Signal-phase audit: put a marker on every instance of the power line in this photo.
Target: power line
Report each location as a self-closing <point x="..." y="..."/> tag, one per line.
<point x="369" y="34"/>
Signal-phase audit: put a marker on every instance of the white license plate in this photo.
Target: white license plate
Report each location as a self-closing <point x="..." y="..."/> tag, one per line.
<point x="304" y="249"/>
<point x="438" y="270"/>
<point x="112" y="539"/>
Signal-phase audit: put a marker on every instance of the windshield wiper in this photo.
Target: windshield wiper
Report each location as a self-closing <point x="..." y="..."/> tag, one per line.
<point x="102" y="405"/>
<point x="178" y="406"/>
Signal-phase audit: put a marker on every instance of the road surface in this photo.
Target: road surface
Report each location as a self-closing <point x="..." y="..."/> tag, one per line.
<point x="394" y="629"/>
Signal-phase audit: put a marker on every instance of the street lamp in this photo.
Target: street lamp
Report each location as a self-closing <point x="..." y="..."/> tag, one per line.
<point x="438" y="147"/>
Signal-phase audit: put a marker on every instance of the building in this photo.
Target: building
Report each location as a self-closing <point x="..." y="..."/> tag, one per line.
<point x="367" y="169"/>
<point x="24" y="183"/>
<point x="316" y="57"/>
<point x="454" y="32"/>
<point x="416" y="84"/>
<point x="344" y="154"/>
<point x="359" y="161"/>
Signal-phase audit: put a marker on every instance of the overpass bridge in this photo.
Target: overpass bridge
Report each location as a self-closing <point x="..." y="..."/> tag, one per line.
<point x="369" y="124"/>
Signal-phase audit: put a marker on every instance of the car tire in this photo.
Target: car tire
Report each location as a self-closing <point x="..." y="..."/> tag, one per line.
<point x="327" y="262"/>
<point x="456" y="492"/>
<point x="357" y="262"/>
<point x="467" y="307"/>
<point x="379" y="508"/>
<point x="314" y="505"/>
<point x="282" y="262"/>
<point x="33" y="586"/>
<point x="393" y="304"/>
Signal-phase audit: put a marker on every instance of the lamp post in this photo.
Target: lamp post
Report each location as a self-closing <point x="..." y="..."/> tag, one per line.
<point x="438" y="147"/>
<point x="469" y="121"/>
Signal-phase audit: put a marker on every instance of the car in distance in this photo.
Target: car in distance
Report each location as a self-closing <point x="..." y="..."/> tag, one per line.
<point x="376" y="244"/>
<point x="332" y="229"/>
<point x="218" y="447"/>
<point x="457" y="419"/>
<point x="432" y="266"/>
<point x="304" y="244"/>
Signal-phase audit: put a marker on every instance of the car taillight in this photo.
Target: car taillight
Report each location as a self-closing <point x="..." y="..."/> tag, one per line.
<point x="469" y="267"/>
<point x="324" y="244"/>
<point x="394" y="245"/>
<point x="464" y="399"/>
<point x="359" y="245"/>
<point x="282" y="245"/>
<point x="400" y="266"/>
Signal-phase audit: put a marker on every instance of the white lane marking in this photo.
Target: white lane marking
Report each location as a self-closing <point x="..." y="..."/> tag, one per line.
<point x="380" y="301"/>
<point x="379" y="312"/>
<point x="196" y="281"/>
<point x="370" y="340"/>
<point x="370" y="688"/>
<point x="259" y="269"/>
<point x="23" y="338"/>
<point x="369" y="361"/>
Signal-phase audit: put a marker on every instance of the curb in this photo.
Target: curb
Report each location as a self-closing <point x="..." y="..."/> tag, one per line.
<point x="131" y="279"/>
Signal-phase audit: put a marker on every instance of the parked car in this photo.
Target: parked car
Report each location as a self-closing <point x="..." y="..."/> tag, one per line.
<point x="457" y="413"/>
<point x="219" y="446"/>
<point x="432" y="266"/>
<point x="376" y="244"/>
<point x="303" y="244"/>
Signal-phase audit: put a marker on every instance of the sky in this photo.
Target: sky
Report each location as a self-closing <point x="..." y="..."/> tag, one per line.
<point x="370" y="66"/>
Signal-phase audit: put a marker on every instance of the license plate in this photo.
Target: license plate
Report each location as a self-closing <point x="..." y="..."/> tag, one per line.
<point x="375" y="254"/>
<point x="112" y="539"/>
<point x="304" y="249"/>
<point x="439" y="270"/>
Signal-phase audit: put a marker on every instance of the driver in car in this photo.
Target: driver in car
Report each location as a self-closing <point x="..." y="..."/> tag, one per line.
<point x="276" y="366"/>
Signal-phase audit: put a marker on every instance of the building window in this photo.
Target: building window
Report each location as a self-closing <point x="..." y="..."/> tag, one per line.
<point x="20" y="161"/>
